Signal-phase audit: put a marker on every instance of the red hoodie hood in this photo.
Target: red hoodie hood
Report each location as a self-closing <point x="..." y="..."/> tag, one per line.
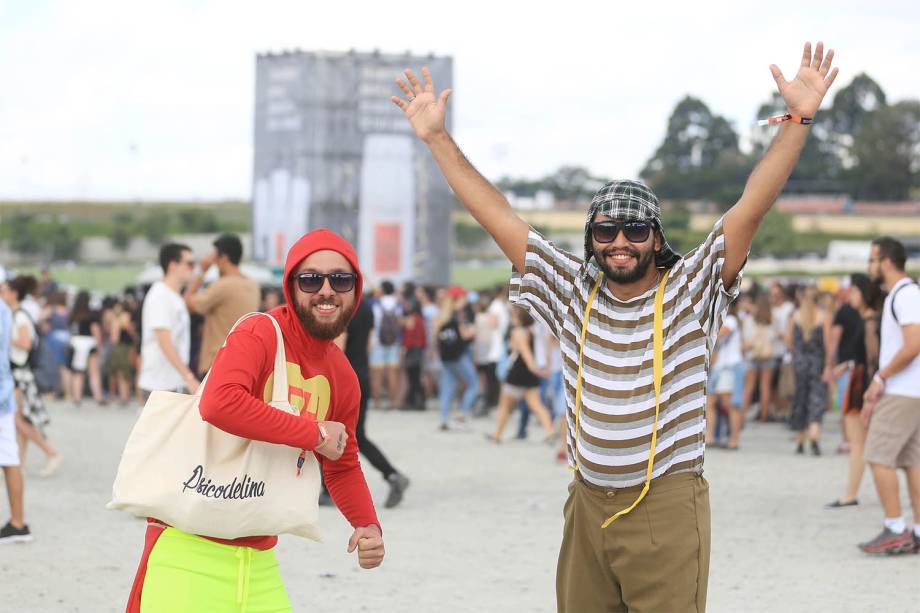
<point x="310" y="243"/>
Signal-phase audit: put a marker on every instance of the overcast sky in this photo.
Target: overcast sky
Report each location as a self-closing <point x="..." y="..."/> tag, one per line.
<point x="154" y="100"/>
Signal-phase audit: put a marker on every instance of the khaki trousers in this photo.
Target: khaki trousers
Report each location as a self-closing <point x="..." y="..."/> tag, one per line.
<point x="653" y="559"/>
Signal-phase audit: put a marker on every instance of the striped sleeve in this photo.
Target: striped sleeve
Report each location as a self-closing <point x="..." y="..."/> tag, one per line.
<point x="548" y="283"/>
<point x="703" y="267"/>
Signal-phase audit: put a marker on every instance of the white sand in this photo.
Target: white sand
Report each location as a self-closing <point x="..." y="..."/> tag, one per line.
<point x="479" y="529"/>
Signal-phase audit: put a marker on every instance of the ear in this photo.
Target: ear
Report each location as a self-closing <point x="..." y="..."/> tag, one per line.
<point x="659" y="240"/>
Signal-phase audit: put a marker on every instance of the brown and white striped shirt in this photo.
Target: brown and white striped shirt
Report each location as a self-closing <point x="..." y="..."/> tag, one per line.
<point x="618" y="394"/>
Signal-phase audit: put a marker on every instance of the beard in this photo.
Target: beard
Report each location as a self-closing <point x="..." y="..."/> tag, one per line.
<point x="629" y="275"/>
<point x="323" y="330"/>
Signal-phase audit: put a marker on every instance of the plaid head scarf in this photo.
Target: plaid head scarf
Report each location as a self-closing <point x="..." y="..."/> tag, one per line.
<point x="629" y="201"/>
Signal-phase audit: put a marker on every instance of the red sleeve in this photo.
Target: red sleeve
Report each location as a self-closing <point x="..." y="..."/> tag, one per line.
<point x="231" y="398"/>
<point x="344" y="477"/>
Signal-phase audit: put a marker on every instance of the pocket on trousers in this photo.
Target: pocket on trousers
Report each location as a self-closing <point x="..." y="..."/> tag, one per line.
<point x="671" y="514"/>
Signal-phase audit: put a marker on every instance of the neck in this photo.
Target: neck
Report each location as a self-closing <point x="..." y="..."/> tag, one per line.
<point x="627" y="291"/>
<point x="173" y="283"/>
<point x="892" y="279"/>
<point x="230" y="271"/>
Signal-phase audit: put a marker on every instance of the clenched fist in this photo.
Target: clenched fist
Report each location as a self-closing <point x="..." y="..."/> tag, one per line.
<point x="369" y="543"/>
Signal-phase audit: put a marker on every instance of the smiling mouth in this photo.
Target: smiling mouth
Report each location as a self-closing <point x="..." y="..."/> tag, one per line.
<point x="621" y="258"/>
<point x="325" y="309"/>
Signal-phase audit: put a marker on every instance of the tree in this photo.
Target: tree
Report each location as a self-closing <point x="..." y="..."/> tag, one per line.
<point x="699" y="157"/>
<point x="122" y="230"/>
<point x="155" y="227"/>
<point x="851" y="106"/>
<point x="887" y="152"/>
<point x="775" y="236"/>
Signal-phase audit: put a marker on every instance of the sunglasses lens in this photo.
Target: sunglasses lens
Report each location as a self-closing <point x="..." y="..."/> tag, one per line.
<point x="342" y="281"/>
<point x="637" y="231"/>
<point x="310" y="283"/>
<point x="605" y="232"/>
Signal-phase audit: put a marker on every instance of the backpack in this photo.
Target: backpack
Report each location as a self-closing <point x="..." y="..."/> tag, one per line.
<point x="390" y="327"/>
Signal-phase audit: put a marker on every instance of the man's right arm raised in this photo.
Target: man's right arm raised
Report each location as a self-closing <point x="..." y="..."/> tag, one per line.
<point x="426" y="111"/>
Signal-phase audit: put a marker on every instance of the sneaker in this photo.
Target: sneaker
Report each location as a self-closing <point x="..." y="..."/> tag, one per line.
<point x="11" y="534"/>
<point x="916" y="543"/>
<point x="890" y="543"/>
<point x="52" y="465"/>
<point x="444" y="427"/>
<point x="815" y="449"/>
<point x="398" y="485"/>
<point x="838" y="504"/>
<point x="800" y="449"/>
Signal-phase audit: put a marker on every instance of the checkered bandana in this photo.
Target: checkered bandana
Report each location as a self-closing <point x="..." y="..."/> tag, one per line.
<point x="629" y="201"/>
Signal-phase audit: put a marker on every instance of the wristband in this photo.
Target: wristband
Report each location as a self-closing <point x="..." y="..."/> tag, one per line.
<point x="877" y="378"/>
<point x="777" y="119"/>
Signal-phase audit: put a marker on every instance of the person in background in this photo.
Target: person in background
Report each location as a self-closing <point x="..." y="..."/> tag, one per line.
<point x="354" y="342"/>
<point x="866" y="298"/>
<point x="484" y="324"/>
<point x="387" y="343"/>
<point x="523" y="379"/>
<point x="806" y="336"/>
<point x="723" y="381"/>
<point x="56" y="319"/>
<point x="415" y="344"/>
<point x="15" y="530"/>
<point x="123" y="339"/>
<point x="271" y="299"/>
<point x="32" y="302"/>
<point x="892" y="402"/>
<point x="759" y="343"/>
<point x="781" y="312"/>
<point x="431" y="372"/>
<point x="454" y="332"/>
<point x="31" y="415"/>
<point x="166" y="332"/>
<point x="86" y="345"/>
<point x="48" y="285"/>
<point x="223" y="302"/>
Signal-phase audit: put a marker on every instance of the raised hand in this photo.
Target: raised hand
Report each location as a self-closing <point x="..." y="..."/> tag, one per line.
<point x="803" y="95"/>
<point x="424" y="108"/>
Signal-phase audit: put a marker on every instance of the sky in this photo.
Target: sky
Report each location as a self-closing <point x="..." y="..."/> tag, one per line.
<point x="154" y="100"/>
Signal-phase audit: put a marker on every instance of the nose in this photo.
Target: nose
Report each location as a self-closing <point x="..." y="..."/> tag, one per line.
<point x="326" y="290"/>
<point x="620" y="241"/>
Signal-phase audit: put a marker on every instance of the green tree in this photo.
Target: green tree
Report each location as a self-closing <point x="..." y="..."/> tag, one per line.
<point x="155" y="227"/>
<point x="887" y="152"/>
<point x="122" y="230"/>
<point x="775" y="236"/>
<point x="699" y="157"/>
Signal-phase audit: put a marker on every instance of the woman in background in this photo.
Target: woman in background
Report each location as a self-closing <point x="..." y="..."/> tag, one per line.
<point x="806" y="336"/>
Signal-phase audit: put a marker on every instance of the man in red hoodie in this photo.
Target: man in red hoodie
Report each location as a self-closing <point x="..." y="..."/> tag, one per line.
<point x="323" y="288"/>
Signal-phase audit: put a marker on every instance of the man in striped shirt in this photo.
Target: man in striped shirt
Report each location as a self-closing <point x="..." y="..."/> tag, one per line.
<point x="602" y="308"/>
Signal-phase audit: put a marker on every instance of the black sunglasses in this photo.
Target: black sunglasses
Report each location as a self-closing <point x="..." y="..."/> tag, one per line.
<point x="340" y="282"/>
<point x="634" y="231"/>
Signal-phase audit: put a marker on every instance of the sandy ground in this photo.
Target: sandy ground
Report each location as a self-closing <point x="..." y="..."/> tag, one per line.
<point x="479" y="529"/>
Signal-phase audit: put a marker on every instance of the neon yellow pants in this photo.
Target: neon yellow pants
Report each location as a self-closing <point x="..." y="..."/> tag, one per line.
<point x="187" y="573"/>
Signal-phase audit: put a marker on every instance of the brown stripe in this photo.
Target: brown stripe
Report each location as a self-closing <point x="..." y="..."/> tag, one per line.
<point x="690" y="390"/>
<point x="644" y="441"/>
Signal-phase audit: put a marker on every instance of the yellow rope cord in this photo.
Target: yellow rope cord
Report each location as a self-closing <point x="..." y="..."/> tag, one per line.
<point x="657" y="360"/>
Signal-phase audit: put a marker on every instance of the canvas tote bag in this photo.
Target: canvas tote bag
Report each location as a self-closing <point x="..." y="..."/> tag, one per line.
<point x="183" y="471"/>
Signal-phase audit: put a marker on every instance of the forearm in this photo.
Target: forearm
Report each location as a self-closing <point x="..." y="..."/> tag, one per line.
<point x="172" y="355"/>
<point x="191" y="290"/>
<point x="484" y="201"/>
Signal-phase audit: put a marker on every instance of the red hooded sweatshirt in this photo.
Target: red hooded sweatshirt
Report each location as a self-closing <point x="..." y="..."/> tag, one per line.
<point x="321" y="383"/>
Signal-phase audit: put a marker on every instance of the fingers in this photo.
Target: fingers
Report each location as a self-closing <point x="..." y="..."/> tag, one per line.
<point x="405" y="88"/>
<point x="414" y="81"/>
<point x="370" y="552"/>
<point x="819" y="56"/>
<point x="830" y="80"/>
<point x="806" y="55"/>
<point x="426" y="77"/>
<point x="442" y="99"/>
<point x="402" y="104"/>
<point x="778" y="75"/>
<point x="826" y="64"/>
<point x="353" y="541"/>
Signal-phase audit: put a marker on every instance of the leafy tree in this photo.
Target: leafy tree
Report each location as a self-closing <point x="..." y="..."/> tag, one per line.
<point x="887" y="152"/>
<point x="775" y="236"/>
<point x="122" y="230"/>
<point x="851" y="106"/>
<point x="155" y="227"/>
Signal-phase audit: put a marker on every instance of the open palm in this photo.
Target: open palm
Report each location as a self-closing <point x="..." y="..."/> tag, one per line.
<point x="424" y="108"/>
<point x="803" y="95"/>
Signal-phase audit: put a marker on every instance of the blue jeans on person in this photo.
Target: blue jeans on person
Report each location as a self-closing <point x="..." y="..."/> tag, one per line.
<point x="452" y="373"/>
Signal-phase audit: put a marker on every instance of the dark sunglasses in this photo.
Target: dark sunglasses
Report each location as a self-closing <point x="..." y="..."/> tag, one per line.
<point x="634" y="231"/>
<point x="340" y="282"/>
